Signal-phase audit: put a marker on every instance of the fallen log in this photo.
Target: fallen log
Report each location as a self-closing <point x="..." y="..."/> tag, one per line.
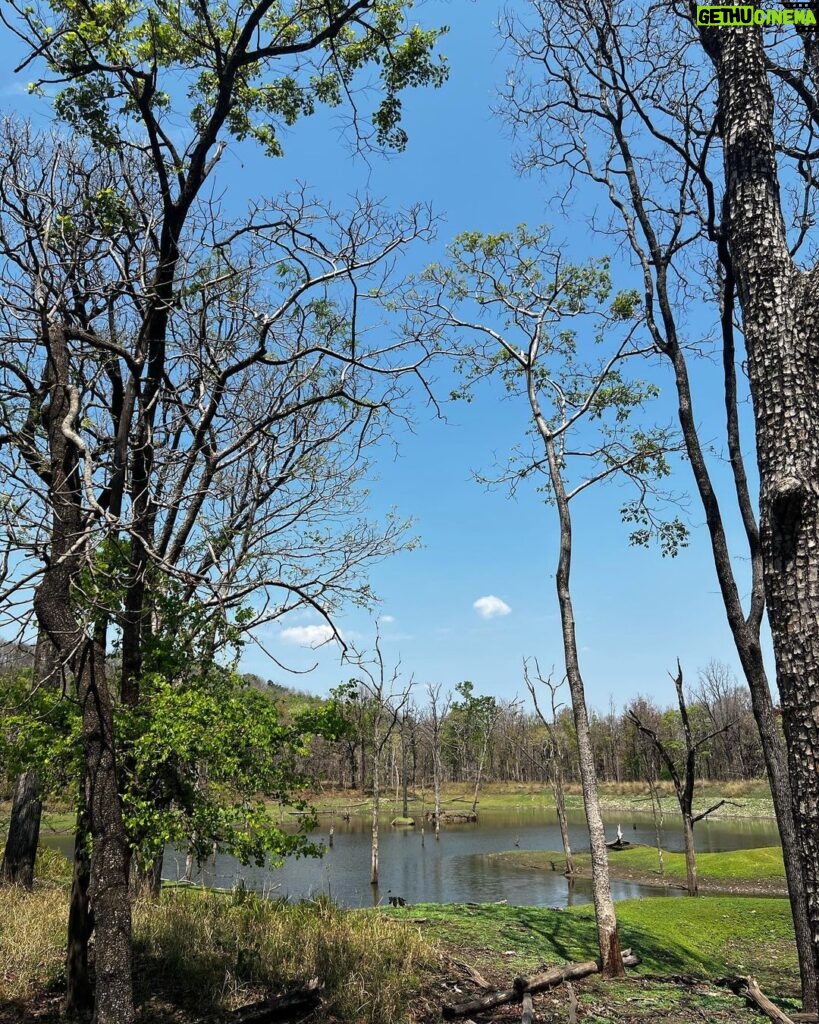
<point x="537" y="983"/>
<point x="528" y="1010"/>
<point x="476" y="976"/>
<point x="805" y="1018"/>
<point x="749" y="988"/>
<point x="276" y="1008"/>
<point x="450" y="1010"/>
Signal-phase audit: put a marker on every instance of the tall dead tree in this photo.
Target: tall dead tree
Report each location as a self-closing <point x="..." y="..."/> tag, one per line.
<point x="555" y="753"/>
<point x="387" y="700"/>
<point x="683" y="780"/>
<point x="439" y="705"/>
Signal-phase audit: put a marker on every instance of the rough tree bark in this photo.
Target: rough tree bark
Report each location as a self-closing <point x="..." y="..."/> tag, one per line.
<point x="79" y="993"/>
<point x="108" y="887"/>
<point x="780" y="315"/>
<point x="24" y="828"/>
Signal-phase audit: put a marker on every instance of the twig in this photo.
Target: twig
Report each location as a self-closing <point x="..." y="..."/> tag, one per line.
<point x="572" y="1003"/>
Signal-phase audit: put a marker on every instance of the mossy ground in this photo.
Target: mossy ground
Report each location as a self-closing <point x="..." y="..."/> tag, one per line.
<point x="757" y="871"/>
<point x="684" y="945"/>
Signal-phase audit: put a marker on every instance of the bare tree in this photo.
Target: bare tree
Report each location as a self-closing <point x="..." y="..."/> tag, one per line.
<point x="270" y="398"/>
<point x="555" y="752"/>
<point x="683" y="782"/>
<point x="439" y="705"/>
<point x="388" y="698"/>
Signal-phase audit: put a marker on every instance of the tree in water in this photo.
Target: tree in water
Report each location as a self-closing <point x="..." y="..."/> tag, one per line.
<point x="439" y="705"/>
<point x="683" y="782"/>
<point x="387" y="698"/>
<point x="555" y="752"/>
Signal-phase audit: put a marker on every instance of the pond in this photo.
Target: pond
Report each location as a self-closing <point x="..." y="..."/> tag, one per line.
<point x="457" y="868"/>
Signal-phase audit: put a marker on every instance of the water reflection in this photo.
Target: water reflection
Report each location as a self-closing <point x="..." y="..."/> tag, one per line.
<point x="459" y="868"/>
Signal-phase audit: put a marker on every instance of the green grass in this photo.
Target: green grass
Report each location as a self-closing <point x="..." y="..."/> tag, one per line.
<point x="198" y="951"/>
<point x="705" y="937"/>
<point x="761" y="867"/>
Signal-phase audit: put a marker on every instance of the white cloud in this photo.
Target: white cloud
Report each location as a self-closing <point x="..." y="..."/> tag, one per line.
<point x="307" y="636"/>
<point x="387" y="619"/>
<point x="490" y="607"/>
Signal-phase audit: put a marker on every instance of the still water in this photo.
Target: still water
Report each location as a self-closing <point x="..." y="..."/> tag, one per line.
<point x="458" y="868"/>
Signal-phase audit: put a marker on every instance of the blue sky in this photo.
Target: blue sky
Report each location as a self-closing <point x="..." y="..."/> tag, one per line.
<point x="636" y="612"/>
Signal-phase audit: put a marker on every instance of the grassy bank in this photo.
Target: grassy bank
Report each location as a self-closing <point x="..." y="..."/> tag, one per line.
<point x="198" y="954"/>
<point x="704" y="938"/>
<point x="747" y="799"/>
<point x="749" y="872"/>
<point x="684" y="945"/>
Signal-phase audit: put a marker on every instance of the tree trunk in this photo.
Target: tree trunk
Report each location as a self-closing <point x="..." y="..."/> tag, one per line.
<point x="436" y="785"/>
<point x="657" y="814"/>
<point x="560" y="806"/>
<point x="607" y="933"/>
<point x="146" y="876"/>
<point x="79" y="994"/>
<point x="53" y="604"/>
<point x="23" y="836"/>
<point x="24" y="830"/>
<point x="478" y="775"/>
<point x="376" y="798"/>
<point x="690" y="857"/>
<point x="404" y="793"/>
<point x="781" y="328"/>
<point x="745" y="632"/>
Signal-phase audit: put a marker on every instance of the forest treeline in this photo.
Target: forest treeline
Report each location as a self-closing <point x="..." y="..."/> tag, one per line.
<point x="505" y="740"/>
<point x="487" y="739"/>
